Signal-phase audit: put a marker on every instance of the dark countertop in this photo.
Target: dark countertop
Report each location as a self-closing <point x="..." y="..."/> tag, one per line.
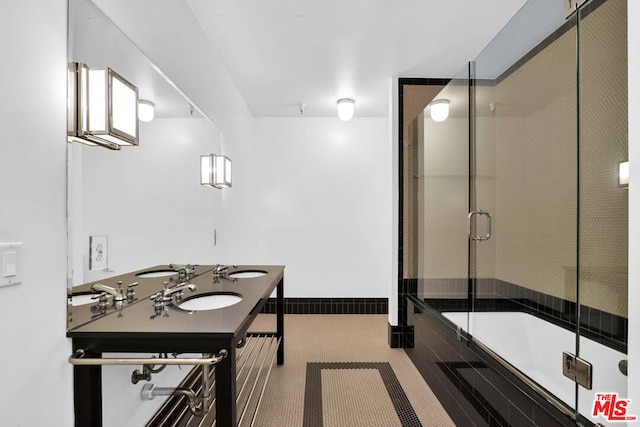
<point x="147" y="286"/>
<point x="138" y="321"/>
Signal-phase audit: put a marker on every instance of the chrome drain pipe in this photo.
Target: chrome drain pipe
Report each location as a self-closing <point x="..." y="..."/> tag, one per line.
<point x="150" y="392"/>
<point x="206" y="386"/>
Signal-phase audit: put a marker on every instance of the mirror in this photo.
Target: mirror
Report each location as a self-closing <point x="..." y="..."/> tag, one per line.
<point x="140" y="206"/>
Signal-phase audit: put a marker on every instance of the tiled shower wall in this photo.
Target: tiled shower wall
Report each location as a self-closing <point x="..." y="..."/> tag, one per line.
<point x="546" y="137"/>
<point x="604" y="143"/>
<point x="497" y="295"/>
<point x="528" y="173"/>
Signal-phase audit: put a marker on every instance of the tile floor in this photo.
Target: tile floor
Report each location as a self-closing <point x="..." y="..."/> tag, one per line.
<point x="351" y="386"/>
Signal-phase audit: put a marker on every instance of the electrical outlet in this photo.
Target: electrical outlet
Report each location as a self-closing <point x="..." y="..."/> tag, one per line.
<point x="98" y="253"/>
<point x="11" y="258"/>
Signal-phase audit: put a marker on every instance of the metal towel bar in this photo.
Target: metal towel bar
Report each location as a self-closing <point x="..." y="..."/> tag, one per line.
<point x="78" y="359"/>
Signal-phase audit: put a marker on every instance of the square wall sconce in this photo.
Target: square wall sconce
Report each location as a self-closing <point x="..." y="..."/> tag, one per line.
<point x="623" y="174"/>
<point x="102" y="107"/>
<point x="215" y="171"/>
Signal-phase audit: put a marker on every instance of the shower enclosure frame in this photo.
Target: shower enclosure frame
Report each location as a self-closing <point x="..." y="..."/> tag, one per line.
<point x="410" y="284"/>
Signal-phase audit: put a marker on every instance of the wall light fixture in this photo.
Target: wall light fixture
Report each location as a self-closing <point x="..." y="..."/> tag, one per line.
<point x="102" y="107"/>
<point x="439" y="110"/>
<point x="346" y="107"/>
<point x="146" y="110"/>
<point x="623" y="174"/>
<point x="215" y="171"/>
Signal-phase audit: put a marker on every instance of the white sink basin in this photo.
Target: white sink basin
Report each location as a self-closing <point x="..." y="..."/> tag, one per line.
<point x="83" y="299"/>
<point x="210" y="301"/>
<point x="157" y="273"/>
<point x="247" y="274"/>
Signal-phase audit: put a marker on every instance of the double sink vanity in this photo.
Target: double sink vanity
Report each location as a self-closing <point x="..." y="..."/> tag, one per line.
<point x="170" y="310"/>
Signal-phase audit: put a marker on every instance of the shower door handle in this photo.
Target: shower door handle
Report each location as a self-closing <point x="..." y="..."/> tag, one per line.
<point x="471" y="215"/>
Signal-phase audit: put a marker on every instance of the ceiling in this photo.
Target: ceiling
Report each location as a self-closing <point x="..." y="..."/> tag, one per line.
<point x="284" y="53"/>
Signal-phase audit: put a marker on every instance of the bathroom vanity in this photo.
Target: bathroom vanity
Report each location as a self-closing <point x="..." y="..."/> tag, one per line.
<point x="170" y="310"/>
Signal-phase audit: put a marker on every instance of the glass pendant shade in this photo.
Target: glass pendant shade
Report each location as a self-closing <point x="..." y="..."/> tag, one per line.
<point x="346" y="108"/>
<point x="439" y="110"/>
<point x="103" y="107"/>
<point x="146" y="110"/>
<point x="215" y="171"/>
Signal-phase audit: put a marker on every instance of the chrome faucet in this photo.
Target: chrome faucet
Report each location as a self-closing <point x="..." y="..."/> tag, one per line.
<point x="162" y="298"/>
<point x="185" y="271"/>
<point x="220" y="272"/>
<point x="117" y="294"/>
<point x="168" y="292"/>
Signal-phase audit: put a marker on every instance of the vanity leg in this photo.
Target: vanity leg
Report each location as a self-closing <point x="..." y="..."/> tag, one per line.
<point x="87" y="394"/>
<point x="280" y="320"/>
<point x="226" y="390"/>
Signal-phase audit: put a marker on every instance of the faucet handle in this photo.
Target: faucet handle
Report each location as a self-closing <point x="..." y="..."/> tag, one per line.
<point x="119" y="291"/>
<point x="103" y="301"/>
<point x="130" y="292"/>
<point x="158" y="300"/>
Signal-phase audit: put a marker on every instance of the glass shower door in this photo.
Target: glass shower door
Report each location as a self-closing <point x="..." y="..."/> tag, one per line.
<point x="437" y="208"/>
<point x="523" y="228"/>
<point x="518" y="218"/>
<point x="549" y="208"/>
<point x="603" y="212"/>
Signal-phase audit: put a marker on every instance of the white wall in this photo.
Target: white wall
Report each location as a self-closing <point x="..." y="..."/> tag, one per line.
<point x="209" y="86"/>
<point x="148" y="199"/>
<point x="34" y="372"/>
<point x="393" y="152"/>
<point x="633" y="17"/>
<point x="319" y="195"/>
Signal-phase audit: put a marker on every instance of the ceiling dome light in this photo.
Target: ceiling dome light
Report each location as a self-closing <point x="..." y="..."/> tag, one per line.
<point x="146" y="110"/>
<point x="439" y="110"/>
<point x="345" y="108"/>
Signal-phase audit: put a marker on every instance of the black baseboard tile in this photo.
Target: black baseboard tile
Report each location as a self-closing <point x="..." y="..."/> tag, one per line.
<point x="498" y="295"/>
<point x="330" y="306"/>
<point x="400" y="336"/>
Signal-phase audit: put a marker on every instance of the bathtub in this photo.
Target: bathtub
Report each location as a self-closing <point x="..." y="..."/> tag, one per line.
<point x="535" y="347"/>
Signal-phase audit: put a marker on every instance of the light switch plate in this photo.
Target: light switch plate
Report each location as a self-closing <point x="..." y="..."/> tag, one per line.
<point x="10" y="264"/>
